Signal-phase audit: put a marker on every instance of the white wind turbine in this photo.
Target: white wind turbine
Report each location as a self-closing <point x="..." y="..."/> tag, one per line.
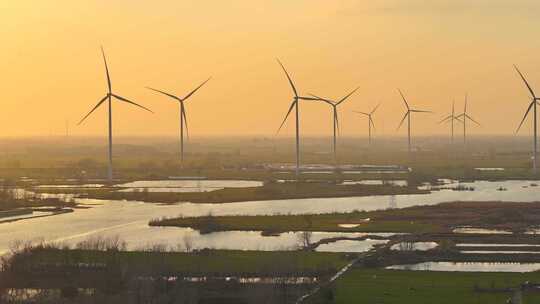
<point x="182" y="113"/>
<point x="108" y="97"/>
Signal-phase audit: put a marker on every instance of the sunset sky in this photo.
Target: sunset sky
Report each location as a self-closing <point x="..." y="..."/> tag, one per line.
<point x="434" y="50"/>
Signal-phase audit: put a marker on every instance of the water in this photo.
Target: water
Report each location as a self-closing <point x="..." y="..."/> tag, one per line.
<point x="25" y="216"/>
<point x="499" y="252"/>
<point x="377" y="182"/>
<point x="479" y="231"/>
<point x="469" y="267"/>
<point x="129" y="222"/>
<point x="129" y="219"/>
<point x="349" y="246"/>
<point x="496" y="245"/>
<point x="186" y="185"/>
<point x="421" y="246"/>
<point x="74" y="186"/>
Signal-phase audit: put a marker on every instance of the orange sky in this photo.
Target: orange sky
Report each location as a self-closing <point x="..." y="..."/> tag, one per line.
<point x="435" y="50"/>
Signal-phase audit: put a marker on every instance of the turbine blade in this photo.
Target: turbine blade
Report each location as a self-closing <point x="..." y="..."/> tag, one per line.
<point x="404" y="100"/>
<point x="164" y="93"/>
<point x="401" y="123"/>
<point x="367" y="114"/>
<point x="289" y="78"/>
<point x="94" y="108"/>
<point x="421" y="111"/>
<point x="524" y="80"/>
<point x="336" y="117"/>
<point x="347" y="96"/>
<point x="312" y="98"/>
<point x="372" y="123"/>
<point x="525" y="116"/>
<point x="293" y="104"/>
<point x="471" y="119"/>
<point x="106" y="70"/>
<point x="375" y="109"/>
<point x="183" y="110"/>
<point x="197" y="88"/>
<point x="131" y="102"/>
<point x="328" y="101"/>
<point x="445" y="119"/>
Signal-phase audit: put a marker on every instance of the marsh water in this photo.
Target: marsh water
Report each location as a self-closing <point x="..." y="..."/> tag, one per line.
<point x="469" y="267"/>
<point x="129" y="220"/>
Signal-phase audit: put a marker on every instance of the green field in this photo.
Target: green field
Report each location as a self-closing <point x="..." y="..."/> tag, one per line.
<point x="204" y="262"/>
<point x="285" y="223"/>
<point x="408" y="287"/>
<point x="418" y="219"/>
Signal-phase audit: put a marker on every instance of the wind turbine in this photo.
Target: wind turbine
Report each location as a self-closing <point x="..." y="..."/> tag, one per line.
<point x="451" y="118"/>
<point x="182" y="113"/>
<point x="532" y="105"/>
<point x="294" y="105"/>
<point x="108" y="97"/>
<point x="408" y="117"/>
<point x="464" y="117"/>
<point x="334" y="105"/>
<point x="370" y="120"/>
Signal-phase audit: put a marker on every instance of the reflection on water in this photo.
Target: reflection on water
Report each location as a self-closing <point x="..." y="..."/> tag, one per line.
<point x="411" y="246"/>
<point x="186" y="185"/>
<point x="25" y="216"/>
<point x="129" y="219"/>
<point x="129" y="222"/>
<point x="479" y="230"/>
<point x="349" y="246"/>
<point x="496" y="245"/>
<point x="498" y="252"/>
<point x="74" y="186"/>
<point x="469" y="267"/>
<point x="378" y="182"/>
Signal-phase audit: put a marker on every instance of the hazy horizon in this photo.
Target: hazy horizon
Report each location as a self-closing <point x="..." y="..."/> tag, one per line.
<point x="56" y="74"/>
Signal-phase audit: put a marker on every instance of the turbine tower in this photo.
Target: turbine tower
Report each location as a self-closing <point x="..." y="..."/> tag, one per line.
<point x="370" y="120"/>
<point x="532" y="104"/>
<point x="294" y="105"/>
<point x="464" y="117"/>
<point x="334" y="105"/>
<point x="182" y="114"/>
<point x="451" y="118"/>
<point x="108" y="97"/>
<point x="408" y="117"/>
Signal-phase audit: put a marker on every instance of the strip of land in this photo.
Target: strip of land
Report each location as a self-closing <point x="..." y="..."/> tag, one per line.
<point x="442" y="218"/>
<point x="269" y="191"/>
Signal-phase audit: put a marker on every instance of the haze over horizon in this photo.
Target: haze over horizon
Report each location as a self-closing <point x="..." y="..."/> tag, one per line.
<point x="433" y="50"/>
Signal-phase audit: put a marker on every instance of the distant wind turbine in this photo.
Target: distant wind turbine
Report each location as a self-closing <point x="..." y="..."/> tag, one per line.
<point x="370" y="119"/>
<point x="408" y="117"/>
<point x="451" y="118"/>
<point x="464" y="117"/>
<point x="334" y="105"/>
<point x="108" y="97"/>
<point x="294" y="105"/>
<point x="182" y="113"/>
<point x="532" y="104"/>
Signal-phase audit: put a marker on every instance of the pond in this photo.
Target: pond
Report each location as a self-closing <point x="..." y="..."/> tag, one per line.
<point x="186" y="185"/>
<point x="129" y="222"/>
<point x="129" y="219"/>
<point x="469" y="267"/>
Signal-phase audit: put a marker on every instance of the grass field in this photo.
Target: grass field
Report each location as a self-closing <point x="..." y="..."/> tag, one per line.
<point x="269" y="191"/>
<point x="408" y="287"/>
<point x="419" y="219"/>
<point x="205" y="262"/>
<point x="284" y="223"/>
